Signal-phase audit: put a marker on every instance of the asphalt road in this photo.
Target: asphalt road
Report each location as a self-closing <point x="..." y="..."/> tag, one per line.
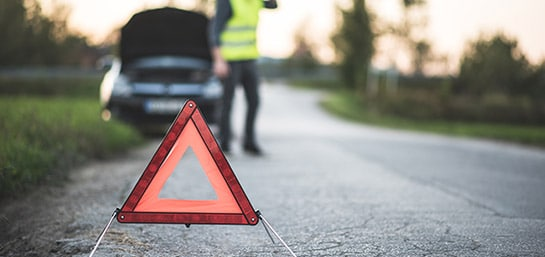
<point x="329" y="188"/>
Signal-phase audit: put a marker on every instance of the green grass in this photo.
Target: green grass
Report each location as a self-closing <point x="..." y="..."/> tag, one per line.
<point x="45" y="135"/>
<point x="323" y="84"/>
<point x="346" y="104"/>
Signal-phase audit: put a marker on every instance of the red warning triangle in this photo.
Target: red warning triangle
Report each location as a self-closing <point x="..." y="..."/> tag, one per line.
<point x="188" y="130"/>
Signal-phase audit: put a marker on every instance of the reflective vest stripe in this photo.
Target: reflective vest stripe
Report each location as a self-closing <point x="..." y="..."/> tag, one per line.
<point x="242" y="28"/>
<point x="239" y="43"/>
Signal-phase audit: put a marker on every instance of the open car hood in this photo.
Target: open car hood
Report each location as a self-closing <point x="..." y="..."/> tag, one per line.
<point x="165" y="32"/>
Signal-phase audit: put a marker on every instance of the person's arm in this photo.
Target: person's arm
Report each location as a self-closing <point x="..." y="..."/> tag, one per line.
<point x="223" y="13"/>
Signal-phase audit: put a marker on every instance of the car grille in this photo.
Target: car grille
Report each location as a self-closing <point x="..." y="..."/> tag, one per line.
<point x="175" y="89"/>
<point x="169" y="75"/>
<point x="170" y="82"/>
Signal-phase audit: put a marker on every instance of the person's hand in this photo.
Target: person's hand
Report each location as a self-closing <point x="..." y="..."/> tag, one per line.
<point x="221" y="68"/>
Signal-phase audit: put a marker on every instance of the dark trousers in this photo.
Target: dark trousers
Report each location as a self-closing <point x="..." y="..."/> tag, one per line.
<point x="244" y="73"/>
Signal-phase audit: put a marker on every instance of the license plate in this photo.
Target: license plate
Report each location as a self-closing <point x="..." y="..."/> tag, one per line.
<point x="163" y="106"/>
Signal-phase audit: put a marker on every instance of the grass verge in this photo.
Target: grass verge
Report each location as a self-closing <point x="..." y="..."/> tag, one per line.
<point x="346" y="105"/>
<point x="41" y="138"/>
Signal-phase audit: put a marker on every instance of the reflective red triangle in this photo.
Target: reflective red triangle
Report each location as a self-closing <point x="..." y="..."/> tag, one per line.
<point x="188" y="130"/>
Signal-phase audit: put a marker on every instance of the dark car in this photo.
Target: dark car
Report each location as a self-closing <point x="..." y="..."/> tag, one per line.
<point x="164" y="60"/>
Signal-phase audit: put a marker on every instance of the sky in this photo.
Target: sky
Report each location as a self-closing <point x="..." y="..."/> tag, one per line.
<point x="451" y="24"/>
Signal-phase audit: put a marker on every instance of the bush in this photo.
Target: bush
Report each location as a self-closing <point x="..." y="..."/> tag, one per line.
<point x="493" y="65"/>
<point x="416" y="104"/>
<point x="348" y="105"/>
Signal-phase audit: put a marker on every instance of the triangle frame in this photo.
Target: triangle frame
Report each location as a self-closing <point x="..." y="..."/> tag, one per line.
<point x="189" y="119"/>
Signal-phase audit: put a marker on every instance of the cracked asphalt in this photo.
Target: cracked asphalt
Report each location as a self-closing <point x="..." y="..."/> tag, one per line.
<point x="328" y="187"/>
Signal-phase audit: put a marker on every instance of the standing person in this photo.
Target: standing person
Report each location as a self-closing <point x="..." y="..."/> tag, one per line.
<point x="234" y="50"/>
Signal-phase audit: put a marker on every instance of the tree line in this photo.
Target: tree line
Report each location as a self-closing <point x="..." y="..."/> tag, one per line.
<point x="30" y="38"/>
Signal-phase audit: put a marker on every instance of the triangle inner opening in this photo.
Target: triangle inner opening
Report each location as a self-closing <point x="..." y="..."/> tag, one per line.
<point x="188" y="181"/>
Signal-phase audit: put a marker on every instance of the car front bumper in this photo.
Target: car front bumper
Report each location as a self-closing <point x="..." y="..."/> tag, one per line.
<point x="149" y="111"/>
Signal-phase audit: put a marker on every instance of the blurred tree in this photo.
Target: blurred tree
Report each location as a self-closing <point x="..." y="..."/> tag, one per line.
<point x="535" y="84"/>
<point x="13" y="30"/>
<point x="302" y="58"/>
<point x="31" y="38"/>
<point x="410" y="31"/>
<point x="493" y="65"/>
<point x="422" y="54"/>
<point x="354" y="47"/>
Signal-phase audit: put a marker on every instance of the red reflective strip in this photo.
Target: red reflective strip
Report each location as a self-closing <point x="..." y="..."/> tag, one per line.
<point x="184" y="218"/>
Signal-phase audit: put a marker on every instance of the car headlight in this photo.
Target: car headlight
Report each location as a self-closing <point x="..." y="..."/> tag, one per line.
<point x="121" y="87"/>
<point x="213" y="89"/>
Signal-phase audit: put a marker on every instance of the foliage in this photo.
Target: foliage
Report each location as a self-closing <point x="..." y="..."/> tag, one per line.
<point x="424" y="98"/>
<point x="346" y="104"/>
<point x="354" y="45"/>
<point x="419" y="48"/>
<point x="493" y="65"/>
<point x="496" y="77"/>
<point x="329" y="84"/>
<point x="31" y="38"/>
<point x="48" y="126"/>
<point x="534" y="86"/>
<point x="496" y="85"/>
<point x="43" y="138"/>
<point x="302" y="57"/>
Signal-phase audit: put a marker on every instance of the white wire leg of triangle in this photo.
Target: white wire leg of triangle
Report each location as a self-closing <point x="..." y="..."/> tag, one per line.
<point x="268" y="227"/>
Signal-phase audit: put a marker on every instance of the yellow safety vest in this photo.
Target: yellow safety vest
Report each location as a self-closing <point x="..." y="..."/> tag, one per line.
<point x="239" y="39"/>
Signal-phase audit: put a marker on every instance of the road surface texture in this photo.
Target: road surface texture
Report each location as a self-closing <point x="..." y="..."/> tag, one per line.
<point x="329" y="188"/>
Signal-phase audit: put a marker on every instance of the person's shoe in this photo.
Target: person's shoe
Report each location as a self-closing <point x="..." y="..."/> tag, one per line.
<point x="253" y="149"/>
